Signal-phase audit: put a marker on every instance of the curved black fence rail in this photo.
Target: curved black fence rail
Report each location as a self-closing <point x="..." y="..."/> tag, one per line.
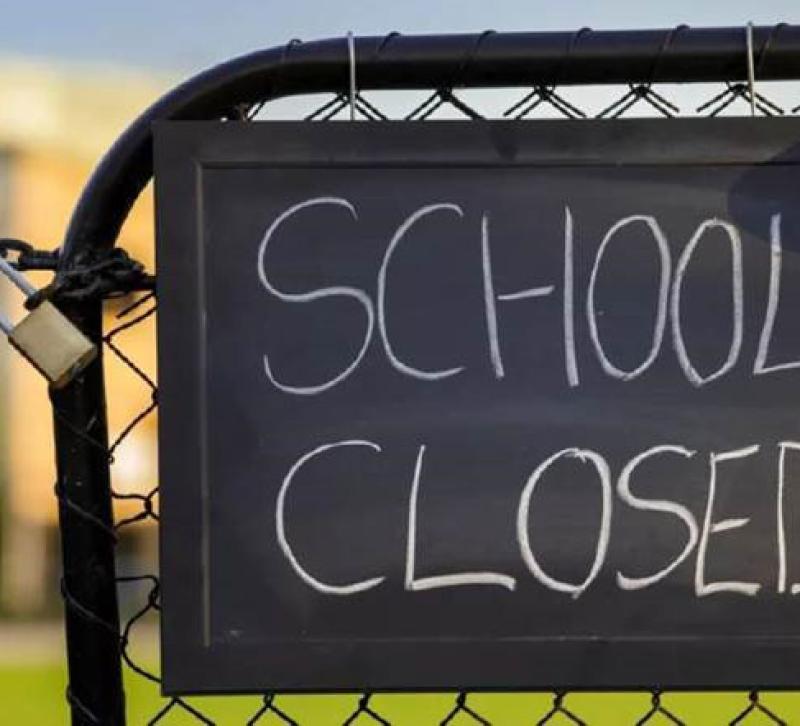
<point x="543" y="65"/>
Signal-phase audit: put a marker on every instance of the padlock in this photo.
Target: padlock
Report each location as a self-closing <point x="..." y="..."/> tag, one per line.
<point x="50" y="342"/>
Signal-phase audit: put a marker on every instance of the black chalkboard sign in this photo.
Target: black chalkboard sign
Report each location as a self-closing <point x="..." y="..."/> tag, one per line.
<point x="479" y="405"/>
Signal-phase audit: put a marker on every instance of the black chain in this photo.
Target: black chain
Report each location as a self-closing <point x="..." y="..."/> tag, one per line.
<point x="94" y="275"/>
<point x="24" y="257"/>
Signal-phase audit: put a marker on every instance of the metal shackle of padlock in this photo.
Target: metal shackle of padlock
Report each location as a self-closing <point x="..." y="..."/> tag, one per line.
<point x="50" y="342"/>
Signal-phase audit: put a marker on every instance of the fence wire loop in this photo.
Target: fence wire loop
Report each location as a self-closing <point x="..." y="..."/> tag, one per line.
<point x="270" y="708"/>
<point x="65" y="501"/>
<point x="559" y="709"/>
<point x="546" y="93"/>
<point x="365" y="709"/>
<point x="461" y="707"/>
<point x="445" y="94"/>
<point x="77" y="607"/>
<point x="733" y="91"/>
<point x="77" y="704"/>
<point x="644" y="91"/>
<point x="757" y="707"/>
<point x="657" y="709"/>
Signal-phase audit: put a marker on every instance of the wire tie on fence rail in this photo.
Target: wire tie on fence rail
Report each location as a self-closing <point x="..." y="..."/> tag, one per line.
<point x="276" y="86"/>
<point x="762" y="54"/>
<point x="565" y="59"/>
<point x="751" y="68"/>
<point x="351" y="55"/>
<point x="388" y="38"/>
<point x="469" y="57"/>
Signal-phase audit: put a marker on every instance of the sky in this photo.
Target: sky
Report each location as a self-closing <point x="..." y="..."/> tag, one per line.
<point x="182" y="36"/>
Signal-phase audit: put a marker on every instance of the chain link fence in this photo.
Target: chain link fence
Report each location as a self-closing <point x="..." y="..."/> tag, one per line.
<point x="139" y="591"/>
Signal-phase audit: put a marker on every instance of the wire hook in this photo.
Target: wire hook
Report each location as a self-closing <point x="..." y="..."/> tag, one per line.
<point x="751" y="69"/>
<point x="351" y="53"/>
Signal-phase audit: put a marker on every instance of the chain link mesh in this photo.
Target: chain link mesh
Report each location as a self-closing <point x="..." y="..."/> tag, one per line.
<point x="459" y="709"/>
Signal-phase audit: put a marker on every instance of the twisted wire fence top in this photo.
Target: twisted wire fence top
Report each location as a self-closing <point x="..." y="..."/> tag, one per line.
<point x="545" y="100"/>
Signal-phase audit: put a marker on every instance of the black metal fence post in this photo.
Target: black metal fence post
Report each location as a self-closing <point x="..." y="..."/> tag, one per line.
<point x="83" y="488"/>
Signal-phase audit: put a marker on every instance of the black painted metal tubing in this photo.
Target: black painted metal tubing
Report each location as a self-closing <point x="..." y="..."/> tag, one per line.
<point x="426" y="61"/>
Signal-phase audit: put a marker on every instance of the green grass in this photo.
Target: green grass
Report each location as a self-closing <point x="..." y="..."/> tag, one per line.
<point x="33" y="694"/>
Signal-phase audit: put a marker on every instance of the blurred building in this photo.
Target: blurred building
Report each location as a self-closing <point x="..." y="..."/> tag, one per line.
<point x="55" y="124"/>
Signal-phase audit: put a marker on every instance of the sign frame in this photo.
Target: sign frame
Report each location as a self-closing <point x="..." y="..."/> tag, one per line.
<point x="191" y="662"/>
